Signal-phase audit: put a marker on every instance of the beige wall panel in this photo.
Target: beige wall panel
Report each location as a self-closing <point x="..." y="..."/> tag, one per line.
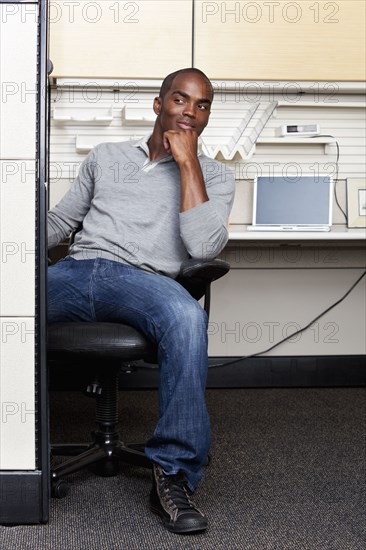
<point x="18" y="77"/>
<point x="143" y="38"/>
<point x="17" y="426"/>
<point x="57" y="190"/>
<point x="254" y="308"/>
<point x="17" y="238"/>
<point x="281" y="40"/>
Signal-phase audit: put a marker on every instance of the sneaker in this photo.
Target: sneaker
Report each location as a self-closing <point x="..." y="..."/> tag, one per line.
<point x="169" y="498"/>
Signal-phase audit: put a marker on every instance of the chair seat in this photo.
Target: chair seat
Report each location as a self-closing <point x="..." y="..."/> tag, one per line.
<point x="110" y="340"/>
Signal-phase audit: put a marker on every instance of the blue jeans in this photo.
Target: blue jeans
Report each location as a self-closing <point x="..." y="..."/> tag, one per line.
<point x="104" y="290"/>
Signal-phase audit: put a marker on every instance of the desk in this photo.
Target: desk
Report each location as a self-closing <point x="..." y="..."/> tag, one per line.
<point x="337" y="233"/>
<point x="279" y="282"/>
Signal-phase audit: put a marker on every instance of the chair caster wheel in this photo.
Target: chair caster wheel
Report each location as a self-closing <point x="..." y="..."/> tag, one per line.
<point x="59" y="489"/>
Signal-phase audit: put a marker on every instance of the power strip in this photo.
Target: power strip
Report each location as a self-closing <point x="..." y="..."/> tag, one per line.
<point x="298" y="130"/>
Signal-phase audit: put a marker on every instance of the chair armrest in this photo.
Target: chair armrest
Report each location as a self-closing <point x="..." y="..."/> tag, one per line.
<point x="197" y="275"/>
<point x="203" y="270"/>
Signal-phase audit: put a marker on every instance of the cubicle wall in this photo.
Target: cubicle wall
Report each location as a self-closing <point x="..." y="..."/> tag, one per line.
<point x="23" y="423"/>
<point x="272" y="63"/>
<point x="276" y="286"/>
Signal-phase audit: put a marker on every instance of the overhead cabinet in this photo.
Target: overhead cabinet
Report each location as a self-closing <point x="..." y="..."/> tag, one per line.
<point x="282" y="40"/>
<point x="142" y="38"/>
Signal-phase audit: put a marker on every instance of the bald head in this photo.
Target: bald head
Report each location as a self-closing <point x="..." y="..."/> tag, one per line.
<point x="168" y="81"/>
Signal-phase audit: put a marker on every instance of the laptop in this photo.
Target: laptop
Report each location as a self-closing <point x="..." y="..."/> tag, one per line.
<point x="285" y="203"/>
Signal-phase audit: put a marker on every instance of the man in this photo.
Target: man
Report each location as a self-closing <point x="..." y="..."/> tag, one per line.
<point x="145" y="207"/>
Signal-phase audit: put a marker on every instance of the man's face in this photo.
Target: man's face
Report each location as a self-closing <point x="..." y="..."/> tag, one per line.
<point x="186" y="105"/>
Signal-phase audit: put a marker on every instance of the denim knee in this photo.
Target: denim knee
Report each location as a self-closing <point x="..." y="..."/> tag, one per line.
<point x="188" y="316"/>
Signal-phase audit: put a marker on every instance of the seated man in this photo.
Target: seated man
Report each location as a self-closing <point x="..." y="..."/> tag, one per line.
<point x="145" y="206"/>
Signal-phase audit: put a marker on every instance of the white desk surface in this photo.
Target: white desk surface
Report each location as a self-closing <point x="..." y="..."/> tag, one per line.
<point x="337" y="233"/>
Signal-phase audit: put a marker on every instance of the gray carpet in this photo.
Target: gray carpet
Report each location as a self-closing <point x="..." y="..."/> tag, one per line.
<point x="287" y="473"/>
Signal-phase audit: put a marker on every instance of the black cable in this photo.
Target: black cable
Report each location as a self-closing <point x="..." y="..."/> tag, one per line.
<point x="336" y="174"/>
<point x="294" y="333"/>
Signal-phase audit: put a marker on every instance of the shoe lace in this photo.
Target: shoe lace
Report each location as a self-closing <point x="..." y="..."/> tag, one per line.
<point x="175" y="491"/>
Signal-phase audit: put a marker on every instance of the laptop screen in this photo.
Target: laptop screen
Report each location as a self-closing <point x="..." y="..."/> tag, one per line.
<point x="304" y="200"/>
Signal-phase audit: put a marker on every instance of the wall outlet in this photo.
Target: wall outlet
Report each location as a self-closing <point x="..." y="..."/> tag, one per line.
<point x="298" y="130"/>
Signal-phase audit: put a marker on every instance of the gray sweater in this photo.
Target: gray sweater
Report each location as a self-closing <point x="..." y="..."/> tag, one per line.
<point x="129" y="208"/>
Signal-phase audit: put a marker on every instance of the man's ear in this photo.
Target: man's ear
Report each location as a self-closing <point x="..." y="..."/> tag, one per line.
<point x="157" y="105"/>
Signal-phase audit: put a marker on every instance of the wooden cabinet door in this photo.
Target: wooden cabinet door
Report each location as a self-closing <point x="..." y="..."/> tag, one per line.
<point x="117" y="39"/>
<point x="281" y="40"/>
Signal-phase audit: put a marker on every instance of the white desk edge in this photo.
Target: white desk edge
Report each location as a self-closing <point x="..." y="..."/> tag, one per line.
<point x="337" y="233"/>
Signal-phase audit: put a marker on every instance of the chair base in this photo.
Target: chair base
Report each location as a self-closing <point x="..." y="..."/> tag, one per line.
<point x="104" y="455"/>
<point x="106" y="450"/>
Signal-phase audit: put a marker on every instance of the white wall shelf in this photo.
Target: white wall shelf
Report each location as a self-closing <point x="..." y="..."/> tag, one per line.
<point x="310" y="87"/>
<point x="324" y="104"/>
<point x="85" y="143"/>
<point x="326" y="141"/>
<point x="82" y="117"/>
<point x="132" y="116"/>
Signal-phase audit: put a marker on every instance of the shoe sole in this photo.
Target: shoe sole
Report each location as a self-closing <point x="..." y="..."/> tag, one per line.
<point x="173" y="529"/>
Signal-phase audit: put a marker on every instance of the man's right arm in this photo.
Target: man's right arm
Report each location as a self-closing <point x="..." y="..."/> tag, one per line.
<point x="69" y="213"/>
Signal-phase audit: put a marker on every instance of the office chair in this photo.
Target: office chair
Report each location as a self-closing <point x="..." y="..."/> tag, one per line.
<point x="109" y="346"/>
